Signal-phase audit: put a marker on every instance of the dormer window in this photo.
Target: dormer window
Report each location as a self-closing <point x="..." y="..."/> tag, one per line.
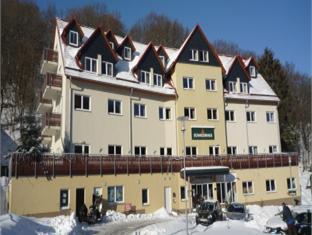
<point x="232" y="86"/>
<point x="73" y="38"/>
<point x="204" y="56"/>
<point x="158" y="79"/>
<point x="127" y="53"/>
<point x="244" y="87"/>
<point x="194" y="55"/>
<point x="145" y="77"/>
<point x="252" y="71"/>
<point x="163" y="60"/>
<point x="112" y="45"/>
<point x="107" y="68"/>
<point x="90" y="64"/>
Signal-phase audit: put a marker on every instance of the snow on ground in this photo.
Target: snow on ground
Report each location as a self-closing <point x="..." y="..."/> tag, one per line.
<point x="306" y="193"/>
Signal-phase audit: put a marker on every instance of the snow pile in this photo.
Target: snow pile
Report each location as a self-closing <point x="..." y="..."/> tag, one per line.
<point x="62" y="224"/>
<point x="161" y="213"/>
<point x="261" y="215"/>
<point x="306" y="193"/>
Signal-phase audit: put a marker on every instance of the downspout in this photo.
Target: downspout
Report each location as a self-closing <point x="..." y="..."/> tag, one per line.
<point x="71" y="115"/>
<point x="130" y="123"/>
<point x="247" y="135"/>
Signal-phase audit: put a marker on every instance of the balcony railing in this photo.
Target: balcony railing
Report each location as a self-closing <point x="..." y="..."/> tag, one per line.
<point x="51" y="119"/>
<point x="77" y="164"/>
<point x="49" y="55"/>
<point x="52" y="80"/>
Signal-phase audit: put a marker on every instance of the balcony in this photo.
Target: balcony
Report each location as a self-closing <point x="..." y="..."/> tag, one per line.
<point x="51" y="124"/>
<point x="49" y="61"/>
<point x="45" y="105"/>
<point x="46" y="140"/>
<point x="52" y="86"/>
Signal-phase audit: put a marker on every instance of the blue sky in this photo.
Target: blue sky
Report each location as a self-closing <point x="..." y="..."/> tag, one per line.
<point x="282" y="25"/>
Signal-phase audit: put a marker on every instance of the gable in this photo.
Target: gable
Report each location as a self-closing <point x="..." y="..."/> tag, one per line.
<point x="127" y="42"/>
<point x="252" y="63"/>
<point x="72" y="26"/>
<point x="111" y="38"/>
<point x="161" y="52"/>
<point x="237" y="71"/>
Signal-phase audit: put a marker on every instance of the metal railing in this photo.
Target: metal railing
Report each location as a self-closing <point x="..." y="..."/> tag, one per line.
<point x="79" y="164"/>
<point x="49" y="55"/>
<point x="51" y="119"/>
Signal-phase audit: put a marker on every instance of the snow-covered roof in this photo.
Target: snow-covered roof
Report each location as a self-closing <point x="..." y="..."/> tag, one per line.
<point x="259" y="88"/>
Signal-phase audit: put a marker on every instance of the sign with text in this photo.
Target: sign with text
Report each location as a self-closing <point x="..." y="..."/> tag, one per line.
<point x="202" y="133"/>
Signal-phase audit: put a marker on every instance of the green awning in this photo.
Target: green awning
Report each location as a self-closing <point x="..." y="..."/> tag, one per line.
<point x="205" y="171"/>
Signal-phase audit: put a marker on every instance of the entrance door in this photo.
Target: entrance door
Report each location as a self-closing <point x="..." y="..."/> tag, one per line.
<point x="168" y="199"/>
<point x="79" y="199"/>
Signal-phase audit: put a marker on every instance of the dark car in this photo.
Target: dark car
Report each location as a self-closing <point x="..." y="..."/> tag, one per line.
<point x="303" y="223"/>
<point x="208" y="212"/>
<point x="237" y="211"/>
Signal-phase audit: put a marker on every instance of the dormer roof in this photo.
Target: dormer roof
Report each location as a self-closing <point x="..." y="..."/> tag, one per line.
<point x="251" y="60"/>
<point x="127" y="41"/>
<point x="72" y="24"/>
<point x="111" y="37"/>
<point x="240" y="61"/>
<point x="161" y="51"/>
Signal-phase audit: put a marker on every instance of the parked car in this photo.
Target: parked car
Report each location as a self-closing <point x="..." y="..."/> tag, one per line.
<point x="208" y="212"/>
<point x="237" y="211"/>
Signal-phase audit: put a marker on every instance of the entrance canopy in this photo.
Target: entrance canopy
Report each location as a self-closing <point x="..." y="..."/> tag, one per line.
<point x="205" y="171"/>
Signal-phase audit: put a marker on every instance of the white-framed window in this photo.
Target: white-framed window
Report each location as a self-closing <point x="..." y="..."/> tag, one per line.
<point x="165" y="151"/>
<point x="252" y="71"/>
<point x="73" y="38"/>
<point x="164" y="113"/>
<point x="145" y="196"/>
<point x="270" y="117"/>
<point x="90" y="64"/>
<point x="247" y="187"/>
<point x="183" y="194"/>
<point x="232" y="86"/>
<point x="112" y="45"/>
<point x="232" y="150"/>
<point x="291" y="184"/>
<point x="140" y="150"/>
<point x="194" y="55"/>
<point x="251" y="116"/>
<point x="107" y="68"/>
<point x="82" y="148"/>
<point x="214" y="150"/>
<point x="114" y="107"/>
<point x="244" y="87"/>
<point x="212" y="114"/>
<point x="82" y="102"/>
<point x="158" y="81"/>
<point x="114" y="149"/>
<point x="272" y="149"/>
<point x="188" y="83"/>
<point x="64" y="199"/>
<point x="253" y="149"/>
<point x="139" y="110"/>
<point x="145" y="77"/>
<point x="190" y="151"/>
<point x="270" y="185"/>
<point x="115" y="194"/>
<point x="127" y="54"/>
<point x="163" y="60"/>
<point x="190" y="113"/>
<point x="230" y="115"/>
<point x="204" y="56"/>
<point x="211" y="85"/>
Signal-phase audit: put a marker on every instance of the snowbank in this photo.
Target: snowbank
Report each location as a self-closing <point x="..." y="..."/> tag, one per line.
<point x="306" y="194"/>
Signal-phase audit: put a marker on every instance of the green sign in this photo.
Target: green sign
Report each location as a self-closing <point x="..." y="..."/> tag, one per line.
<point x="202" y="133"/>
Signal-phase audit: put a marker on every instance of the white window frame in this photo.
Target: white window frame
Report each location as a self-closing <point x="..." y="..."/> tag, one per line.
<point x="115" y="147"/>
<point x="163" y="112"/>
<point x="249" y="192"/>
<point x="252" y="71"/>
<point x="140" y="114"/>
<point x="71" y="32"/>
<point x="229" y="115"/>
<point x="163" y="59"/>
<point x="148" y="200"/>
<point x="83" y="148"/>
<point x="159" y="79"/>
<point x="244" y="87"/>
<point x="114" y="107"/>
<point x="127" y="52"/>
<point x="106" y="68"/>
<point x="188" y="79"/>
<point x="191" y="150"/>
<point x="270" y="117"/>
<point x="205" y="56"/>
<point x="252" y="118"/>
<point x="232" y="152"/>
<point x="212" y="84"/>
<point x="115" y="194"/>
<point x="165" y="151"/>
<point x="214" y="147"/>
<point x="194" y="55"/>
<point x="68" y="199"/>
<point x="185" y="193"/>
<point x="81" y="107"/>
<point x="91" y="61"/>
<point x="145" y="77"/>
<point x="140" y="151"/>
<point x="272" y="148"/>
<point x="270" y="186"/>
<point x="189" y="112"/>
<point x="214" y="114"/>
<point x="293" y="184"/>
<point x="112" y="45"/>
<point x="232" y="86"/>
<point x="252" y="149"/>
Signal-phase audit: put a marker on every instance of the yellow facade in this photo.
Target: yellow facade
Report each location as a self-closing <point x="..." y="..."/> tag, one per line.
<point x="201" y="100"/>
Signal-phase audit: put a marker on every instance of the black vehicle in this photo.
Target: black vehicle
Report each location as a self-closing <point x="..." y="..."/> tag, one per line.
<point x="303" y="223"/>
<point x="237" y="211"/>
<point x="208" y="212"/>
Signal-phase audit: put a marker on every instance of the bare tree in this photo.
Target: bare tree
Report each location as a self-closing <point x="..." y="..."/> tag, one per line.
<point x="232" y="49"/>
